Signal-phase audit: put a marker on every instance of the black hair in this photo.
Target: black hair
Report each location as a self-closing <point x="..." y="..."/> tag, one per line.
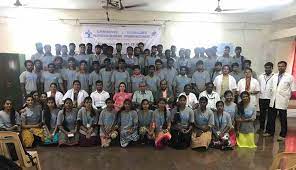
<point x="248" y="69"/>
<point x="270" y="64"/>
<point x="158" y="61"/>
<point x="53" y="84"/>
<point x="89" y="44"/>
<point x="240" y="106"/>
<point x="76" y="81"/>
<point x="92" y="112"/>
<point x="140" y="43"/>
<point x="218" y="63"/>
<point x="186" y="68"/>
<point x="123" y="108"/>
<point x="170" y="59"/>
<point x="234" y="64"/>
<point x="98" y="46"/>
<point x="136" y="67"/>
<point x="137" y="48"/>
<point x="159" y="45"/>
<point x="109" y="99"/>
<point x="177" y="116"/>
<point x="46" y="112"/>
<point x="282" y="62"/>
<point x="203" y="98"/>
<point x="228" y="92"/>
<point x="37" y="61"/>
<point x="71" y="59"/>
<point x="95" y="62"/>
<point x="109" y="47"/>
<point x="12" y="112"/>
<point x="165" y="124"/>
<point x="218" y="102"/>
<point x="72" y="44"/>
<point x="248" y="61"/>
<point x="153" y="46"/>
<point x="209" y="83"/>
<point x="226" y="47"/>
<point x="99" y="81"/>
<point x="83" y="61"/>
<point x="81" y="45"/>
<point x="226" y="66"/>
<point x="51" y="64"/>
<point x="119" y="44"/>
<point x="65" y="123"/>
<point x="147" y="50"/>
<point x="151" y="66"/>
<point x="121" y="84"/>
<point x="129" y="47"/>
<point x="121" y="60"/>
<point x="238" y="48"/>
<point x="28" y="61"/>
<point x="107" y="60"/>
<point x="144" y="100"/>
<point x="64" y="46"/>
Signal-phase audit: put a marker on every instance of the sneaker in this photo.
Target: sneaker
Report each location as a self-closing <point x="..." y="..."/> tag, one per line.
<point x="266" y="135"/>
<point x="280" y="139"/>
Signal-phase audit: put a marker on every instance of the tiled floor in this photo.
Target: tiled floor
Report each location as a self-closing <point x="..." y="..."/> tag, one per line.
<point x="146" y="158"/>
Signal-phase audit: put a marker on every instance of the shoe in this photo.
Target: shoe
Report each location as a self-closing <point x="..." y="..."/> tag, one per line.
<point x="266" y="135"/>
<point x="280" y="139"/>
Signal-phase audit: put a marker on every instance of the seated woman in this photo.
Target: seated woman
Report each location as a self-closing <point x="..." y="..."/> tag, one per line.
<point x="245" y="122"/>
<point x="121" y="96"/>
<point x="221" y="129"/>
<point x="182" y="121"/>
<point x="76" y="94"/>
<point x="204" y="121"/>
<point x="164" y="93"/>
<point x="31" y="117"/>
<point x="9" y="118"/>
<point x="58" y="96"/>
<point x="108" y="124"/>
<point x="145" y="122"/>
<point x="87" y="121"/>
<point x="231" y="108"/>
<point x="67" y="125"/>
<point x="161" y="124"/>
<point x="128" y="123"/>
<point x="49" y="119"/>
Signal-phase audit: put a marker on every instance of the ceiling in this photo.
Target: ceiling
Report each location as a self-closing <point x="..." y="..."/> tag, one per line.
<point x="203" y="6"/>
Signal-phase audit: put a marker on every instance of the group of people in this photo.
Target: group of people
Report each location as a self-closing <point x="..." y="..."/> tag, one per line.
<point x="147" y="97"/>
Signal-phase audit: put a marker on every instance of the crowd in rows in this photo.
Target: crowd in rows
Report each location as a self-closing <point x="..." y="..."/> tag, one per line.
<point x="146" y="96"/>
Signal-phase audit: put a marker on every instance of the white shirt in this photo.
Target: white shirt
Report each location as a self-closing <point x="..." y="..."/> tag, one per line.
<point x="213" y="98"/>
<point x="265" y="84"/>
<point x="80" y="98"/>
<point x="218" y="83"/>
<point x="98" y="99"/>
<point x="254" y="86"/>
<point x="58" y="97"/>
<point x="281" y="92"/>
<point x="191" y="99"/>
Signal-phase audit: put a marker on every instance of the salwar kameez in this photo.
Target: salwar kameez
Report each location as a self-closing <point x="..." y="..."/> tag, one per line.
<point x="107" y="122"/>
<point x="128" y="127"/>
<point x="162" y="136"/>
<point x="146" y="126"/>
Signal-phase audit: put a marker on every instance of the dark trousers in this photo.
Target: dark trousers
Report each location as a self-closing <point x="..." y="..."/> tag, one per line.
<point x="270" y="128"/>
<point x="264" y="108"/>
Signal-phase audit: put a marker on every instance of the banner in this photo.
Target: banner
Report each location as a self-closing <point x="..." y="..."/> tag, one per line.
<point x="128" y="35"/>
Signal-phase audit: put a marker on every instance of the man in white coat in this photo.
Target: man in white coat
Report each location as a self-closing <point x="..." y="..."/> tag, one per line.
<point x="224" y="82"/>
<point x="250" y="85"/>
<point x="282" y="86"/>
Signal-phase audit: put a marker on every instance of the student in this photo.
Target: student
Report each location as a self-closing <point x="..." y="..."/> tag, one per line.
<point x="225" y="59"/>
<point x="164" y="91"/>
<point x="94" y="76"/>
<point x="216" y="71"/>
<point x="82" y="55"/>
<point x="236" y="72"/>
<point x="99" y="96"/>
<point x="107" y="122"/>
<point x="193" y="61"/>
<point x="118" y="48"/>
<point x="58" y="62"/>
<point x="200" y="77"/>
<point x="120" y="75"/>
<point x="167" y="55"/>
<point x="180" y="81"/>
<point x="72" y="48"/>
<point x="105" y="76"/>
<point x="221" y="128"/>
<point x="128" y="119"/>
<point x="247" y="64"/>
<point x="160" y="53"/>
<point x="161" y="124"/>
<point x="142" y="94"/>
<point x="58" y="96"/>
<point x="39" y="53"/>
<point x="38" y="69"/>
<point x="210" y="61"/>
<point x="70" y="73"/>
<point x="152" y="80"/>
<point x="245" y="122"/>
<point x="145" y="122"/>
<point x="87" y="121"/>
<point x="173" y="50"/>
<point x="130" y="59"/>
<point x="203" y="123"/>
<point x="109" y="54"/>
<point x="43" y="99"/>
<point x="182" y="61"/>
<point x="67" y="124"/>
<point x="250" y="85"/>
<point x="182" y="121"/>
<point x="76" y="95"/>
<point x="32" y="132"/>
<point x="28" y="79"/>
<point x="89" y="47"/>
<point x="58" y="49"/>
<point x="152" y="57"/>
<point x="49" y="120"/>
<point x="171" y="73"/>
<point x="141" y="45"/>
<point x="47" y="57"/>
<point x="224" y="82"/>
<point x="9" y="118"/>
<point x="212" y="96"/>
<point x="229" y="106"/>
<point x="238" y="58"/>
<point x="143" y="61"/>
<point x="265" y="94"/>
<point x="121" y="96"/>
<point x="36" y="98"/>
<point x="136" y="78"/>
<point x="281" y="87"/>
<point x="191" y="100"/>
<point x="159" y="71"/>
<point x="83" y="76"/>
<point x="95" y="57"/>
<point x="51" y="76"/>
<point x="65" y="55"/>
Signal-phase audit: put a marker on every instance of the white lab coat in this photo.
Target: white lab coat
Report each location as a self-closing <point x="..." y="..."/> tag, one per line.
<point x="58" y="97"/>
<point x="254" y="86"/>
<point x="80" y="98"/>
<point x="281" y="93"/>
<point x="218" y="83"/>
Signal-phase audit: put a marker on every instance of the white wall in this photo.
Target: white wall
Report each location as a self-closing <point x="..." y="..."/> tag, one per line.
<point x="20" y="31"/>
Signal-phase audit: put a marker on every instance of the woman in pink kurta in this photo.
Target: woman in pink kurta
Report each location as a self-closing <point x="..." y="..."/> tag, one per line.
<point x="121" y="96"/>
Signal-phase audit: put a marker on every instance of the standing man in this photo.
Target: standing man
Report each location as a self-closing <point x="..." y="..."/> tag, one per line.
<point x="39" y="54"/>
<point x="281" y="87"/>
<point x="265" y="94"/>
<point x="225" y="59"/>
<point x="28" y="79"/>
